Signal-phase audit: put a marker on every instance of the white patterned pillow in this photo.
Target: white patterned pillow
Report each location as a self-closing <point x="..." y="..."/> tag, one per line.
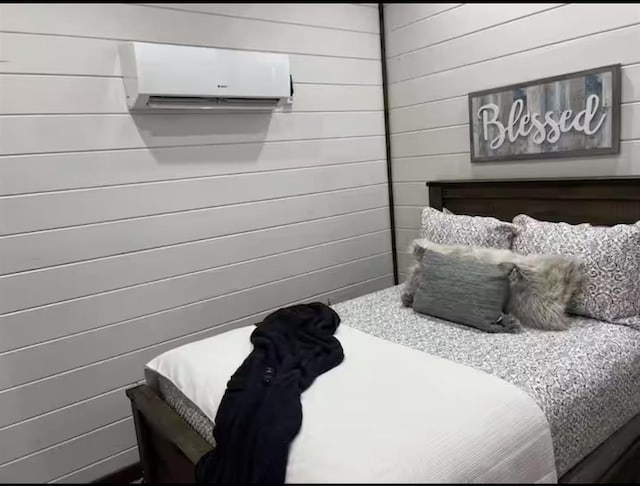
<point x="611" y="258"/>
<point x="457" y="229"/>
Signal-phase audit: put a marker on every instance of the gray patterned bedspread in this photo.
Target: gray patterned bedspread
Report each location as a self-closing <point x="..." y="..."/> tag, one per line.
<point x="586" y="379"/>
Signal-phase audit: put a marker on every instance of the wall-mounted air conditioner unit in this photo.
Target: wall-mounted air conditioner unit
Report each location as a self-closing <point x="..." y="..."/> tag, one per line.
<point x="159" y="76"/>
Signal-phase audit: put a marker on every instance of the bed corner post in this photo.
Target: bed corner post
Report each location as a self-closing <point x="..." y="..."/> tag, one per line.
<point x="435" y="195"/>
<point x="143" y="436"/>
<point x="169" y="447"/>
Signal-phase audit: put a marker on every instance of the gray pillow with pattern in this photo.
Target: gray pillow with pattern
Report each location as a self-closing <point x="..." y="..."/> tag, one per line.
<point x="458" y="229"/>
<point x="465" y="291"/>
<point x="611" y="259"/>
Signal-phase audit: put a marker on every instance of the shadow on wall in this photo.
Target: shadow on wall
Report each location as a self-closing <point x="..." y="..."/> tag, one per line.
<point x="568" y="167"/>
<point x="166" y="130"/>
<point x="228" y="155"/>
<point x="459" y="166"/>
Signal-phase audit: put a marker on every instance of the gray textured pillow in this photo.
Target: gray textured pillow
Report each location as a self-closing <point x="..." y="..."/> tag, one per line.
<point x="540" y="290"/>
<point x="465" y="291"/>
<point x="611" y="257"/>
<point x="457" y="229"/>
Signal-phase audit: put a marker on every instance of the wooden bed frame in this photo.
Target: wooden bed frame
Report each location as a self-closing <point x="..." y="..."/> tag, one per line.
<point x="169" y="448"/>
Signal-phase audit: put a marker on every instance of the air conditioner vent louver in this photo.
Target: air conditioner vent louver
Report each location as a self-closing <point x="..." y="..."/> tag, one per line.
<point x="158" y="76"/>
<point x="203" y="102"/>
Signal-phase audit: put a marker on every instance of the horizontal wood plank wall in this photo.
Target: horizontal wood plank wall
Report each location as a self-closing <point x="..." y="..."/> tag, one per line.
<point x="122" y="237"/>
<point x="438" y="53"/>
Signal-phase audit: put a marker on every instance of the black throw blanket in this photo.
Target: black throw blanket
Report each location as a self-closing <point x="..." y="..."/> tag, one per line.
<point x="260" y="413"/>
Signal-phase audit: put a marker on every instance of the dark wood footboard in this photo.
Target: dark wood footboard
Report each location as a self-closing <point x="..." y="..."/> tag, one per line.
<point x="169" y="447"/>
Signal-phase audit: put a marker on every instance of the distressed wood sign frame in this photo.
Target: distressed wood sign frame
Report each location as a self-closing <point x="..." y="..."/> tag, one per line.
<point x="614" y="69"/>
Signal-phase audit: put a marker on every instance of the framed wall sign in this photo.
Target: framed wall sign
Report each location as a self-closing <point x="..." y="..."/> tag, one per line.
<point x="575" y="114"/>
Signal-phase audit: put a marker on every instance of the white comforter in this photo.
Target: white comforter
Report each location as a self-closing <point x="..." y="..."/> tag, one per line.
<point x="388" y="414"/>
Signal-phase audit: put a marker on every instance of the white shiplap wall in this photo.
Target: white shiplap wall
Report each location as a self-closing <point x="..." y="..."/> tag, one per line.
<point x="437" y="53"/>
<point x="121" y="238"/>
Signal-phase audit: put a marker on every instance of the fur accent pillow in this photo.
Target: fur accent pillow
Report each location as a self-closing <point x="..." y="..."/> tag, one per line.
<point x="541" y="288"/>
<point x="457" y="229"/>
<point x="611" y="256"/>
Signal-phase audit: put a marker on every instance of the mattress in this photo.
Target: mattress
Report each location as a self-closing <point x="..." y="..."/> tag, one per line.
<point x="387" y="413"/>
<point x="585" y="379"/>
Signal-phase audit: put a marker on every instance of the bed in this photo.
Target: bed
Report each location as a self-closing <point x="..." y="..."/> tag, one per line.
<point x="593" y="410"/>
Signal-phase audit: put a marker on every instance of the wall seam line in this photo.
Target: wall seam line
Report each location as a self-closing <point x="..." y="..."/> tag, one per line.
<point x="226" y="323"/>
<point x="515" y="53"/>
<point x="122" y="39"/>
<point x="183" y="243"/>
<point x="255" y="19"/>
<point x="427" y="17"/>
<point x="504" y="22"/>
<point x="183" y="211"/>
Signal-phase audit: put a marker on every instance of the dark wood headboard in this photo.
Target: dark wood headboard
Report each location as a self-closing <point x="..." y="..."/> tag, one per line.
<point x="599" y="201"/>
